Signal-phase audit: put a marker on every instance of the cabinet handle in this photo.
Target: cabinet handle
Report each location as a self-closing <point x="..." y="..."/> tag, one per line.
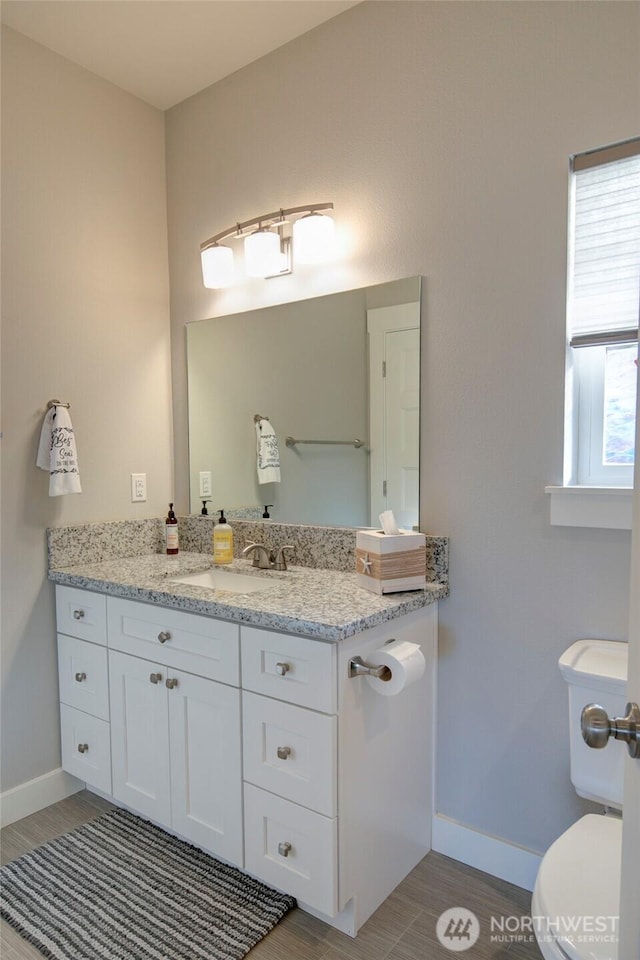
<point x="283" y="753"/>
<point x="284" y="848"/>
<point x="78" y="614"/>
<point x="155" y="677"/>
<point x="80" y="677"/>
<point x="282" y="668"/>
<point x="163" y="636"/>
<point x="83" y="747"/>
<point x="171" y="682"/>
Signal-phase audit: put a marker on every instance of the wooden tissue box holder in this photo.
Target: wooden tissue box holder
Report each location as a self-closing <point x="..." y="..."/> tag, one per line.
<point x="389" y="563"/>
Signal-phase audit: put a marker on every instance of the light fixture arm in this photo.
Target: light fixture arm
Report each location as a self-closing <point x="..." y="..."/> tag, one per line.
<point x="270" y="219"/>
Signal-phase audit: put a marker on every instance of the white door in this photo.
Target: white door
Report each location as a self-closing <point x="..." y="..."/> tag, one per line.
<point x="394" y="411"/>
<point x="629" y="912"/>
<point x="206" y="775"/>
<point x="140" y="736"/>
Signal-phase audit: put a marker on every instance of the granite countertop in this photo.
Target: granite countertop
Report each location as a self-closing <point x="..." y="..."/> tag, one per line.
<point x="323" y="604"/>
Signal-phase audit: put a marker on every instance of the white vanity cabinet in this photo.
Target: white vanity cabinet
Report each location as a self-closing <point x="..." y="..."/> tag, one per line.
<point x="257" y="745"/>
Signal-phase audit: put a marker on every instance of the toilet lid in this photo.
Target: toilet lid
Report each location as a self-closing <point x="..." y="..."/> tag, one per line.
<point x="578" y="889"/>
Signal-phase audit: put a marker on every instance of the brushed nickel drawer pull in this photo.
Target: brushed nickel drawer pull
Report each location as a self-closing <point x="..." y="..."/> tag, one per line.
<point x="80" y="677"/>
<point x="163" y="636"/>
<point x="284" y="849"/>
<point x="282" y="668"/>
<point x="171" y="682"/>
<point x="155" y="677"/>
<point x="283" y="753"/>
<point x="83" y="747"/>
<point x="78" y="614"/>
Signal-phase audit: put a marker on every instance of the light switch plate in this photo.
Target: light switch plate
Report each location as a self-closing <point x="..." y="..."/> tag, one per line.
<point x="138" y="487"/>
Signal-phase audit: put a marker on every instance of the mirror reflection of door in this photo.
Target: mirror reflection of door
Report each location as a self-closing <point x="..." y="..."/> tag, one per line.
<point x="394" y="377"/>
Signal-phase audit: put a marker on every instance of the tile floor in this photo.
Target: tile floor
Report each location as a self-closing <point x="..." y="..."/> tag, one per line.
<point x="403" y="928"/>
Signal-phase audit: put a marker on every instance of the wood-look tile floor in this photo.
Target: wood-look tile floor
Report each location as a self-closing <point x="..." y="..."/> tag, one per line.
<point x="403" y="927"/>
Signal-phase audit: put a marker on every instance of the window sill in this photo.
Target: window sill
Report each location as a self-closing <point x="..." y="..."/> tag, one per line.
<point x="605" y="507"/>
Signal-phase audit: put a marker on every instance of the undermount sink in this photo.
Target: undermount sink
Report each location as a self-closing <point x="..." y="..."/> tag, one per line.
<point x="216" y="579"/>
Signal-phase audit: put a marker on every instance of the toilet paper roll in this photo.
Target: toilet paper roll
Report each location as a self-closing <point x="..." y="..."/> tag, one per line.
<point x="405" y="664"/>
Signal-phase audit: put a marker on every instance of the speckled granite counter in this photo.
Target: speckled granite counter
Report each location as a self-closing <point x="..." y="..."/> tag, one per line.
<point x="324" y="604"/>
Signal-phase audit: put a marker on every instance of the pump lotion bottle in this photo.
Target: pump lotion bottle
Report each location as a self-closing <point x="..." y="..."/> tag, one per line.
<point x="222" y="541"/>
<point x="171" y="532"/>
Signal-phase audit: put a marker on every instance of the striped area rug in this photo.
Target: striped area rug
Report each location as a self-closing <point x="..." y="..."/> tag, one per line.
<point x="119" y="888"/>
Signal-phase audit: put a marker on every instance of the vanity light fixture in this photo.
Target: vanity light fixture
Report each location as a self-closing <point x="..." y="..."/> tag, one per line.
<point x="267" y="250"/>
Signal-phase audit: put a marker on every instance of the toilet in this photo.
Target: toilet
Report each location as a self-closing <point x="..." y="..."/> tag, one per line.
<point x="576" y="899"/>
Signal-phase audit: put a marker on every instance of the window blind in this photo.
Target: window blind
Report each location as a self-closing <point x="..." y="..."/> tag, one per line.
<point x="604" y="268"/>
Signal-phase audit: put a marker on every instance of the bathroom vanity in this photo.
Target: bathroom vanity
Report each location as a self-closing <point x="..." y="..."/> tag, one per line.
<point x="232" y="720"/>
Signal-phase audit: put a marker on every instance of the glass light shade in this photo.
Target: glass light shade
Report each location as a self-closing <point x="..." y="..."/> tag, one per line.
<point x="217" y="267"/>
<point x="313" y="238"/>
<point x="262" y="256"/>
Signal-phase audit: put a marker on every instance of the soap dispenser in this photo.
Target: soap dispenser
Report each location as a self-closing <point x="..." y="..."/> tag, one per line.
<point x="171" y="532"/>
<point x="222" y="541"/>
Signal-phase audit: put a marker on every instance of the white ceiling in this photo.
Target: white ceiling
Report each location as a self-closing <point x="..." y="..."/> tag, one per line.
<point x="163" y="51"/>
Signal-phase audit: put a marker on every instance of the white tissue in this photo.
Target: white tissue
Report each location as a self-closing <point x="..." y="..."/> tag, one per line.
<point x="406" y="664"/>
<point x="388" y="522"/>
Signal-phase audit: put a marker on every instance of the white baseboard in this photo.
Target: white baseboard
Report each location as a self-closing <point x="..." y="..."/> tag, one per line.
<point x="497" y="857"/>
<point x="34" y="795"/>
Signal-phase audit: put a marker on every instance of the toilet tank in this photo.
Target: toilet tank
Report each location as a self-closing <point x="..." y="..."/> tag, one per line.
<point x="596" y="672"/>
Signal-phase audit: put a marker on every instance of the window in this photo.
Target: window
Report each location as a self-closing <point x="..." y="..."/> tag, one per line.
<point x="603" y="312"/>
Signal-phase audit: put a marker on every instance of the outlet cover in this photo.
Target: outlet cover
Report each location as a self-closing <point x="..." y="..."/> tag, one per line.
<point x="205" y="483"/>
<point x="138" y="487"/>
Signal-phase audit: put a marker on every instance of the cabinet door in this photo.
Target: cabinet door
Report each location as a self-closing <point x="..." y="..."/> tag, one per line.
<point x="292" y="848"/>
<point x="206" y="778"/>
<point x="140" y="735"/>
<point x="85" y="747"/>
<point x="290" y="751"/>
<point x="82" y="676"/>
<point x="81" y="613"/>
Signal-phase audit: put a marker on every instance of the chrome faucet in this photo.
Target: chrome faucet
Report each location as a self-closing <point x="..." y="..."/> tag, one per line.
<point x="267" y="559"/>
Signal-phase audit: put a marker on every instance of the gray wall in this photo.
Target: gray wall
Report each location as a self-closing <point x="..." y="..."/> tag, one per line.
<point x="85" y="319"/>
<point x="442" y="131"/>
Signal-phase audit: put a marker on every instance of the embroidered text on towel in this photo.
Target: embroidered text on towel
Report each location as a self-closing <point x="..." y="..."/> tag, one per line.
<point x="268" y="455"/>
<point x="57" y="453"/>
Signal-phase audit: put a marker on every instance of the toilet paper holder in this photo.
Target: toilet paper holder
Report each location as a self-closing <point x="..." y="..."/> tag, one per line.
<point x="360" y="668"/>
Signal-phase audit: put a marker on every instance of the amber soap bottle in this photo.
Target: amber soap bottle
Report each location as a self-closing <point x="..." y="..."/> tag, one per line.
<point x="171" y="532"/>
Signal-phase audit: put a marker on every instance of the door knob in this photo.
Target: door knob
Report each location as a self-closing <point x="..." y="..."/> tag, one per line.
<point x="284" y="849"/>
<point x="83" y="747"/>
<point x="283" y="752"/>
<point x="171" y="682"/>
<point x="163" y="636"/>
<point x="597" y="727"/>
<point x="80" y="677"/>
<point x="282" y="668"/>
<point x="155" y="677"/>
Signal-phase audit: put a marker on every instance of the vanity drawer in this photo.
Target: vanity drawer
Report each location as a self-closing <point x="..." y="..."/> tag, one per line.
<point x="82" y="614"/>
<point x="291" y="848"/>
<point x="83" y="676"/>
<point x="295" y="669"/>
<point x="290" y="751"/>
<point x="185" y="641"/>
<point x="86" y="747"/>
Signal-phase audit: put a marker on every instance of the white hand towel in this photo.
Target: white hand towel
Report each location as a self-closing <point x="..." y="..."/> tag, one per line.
<point x="268" y="454"/>
<point x="57" y="453"/>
